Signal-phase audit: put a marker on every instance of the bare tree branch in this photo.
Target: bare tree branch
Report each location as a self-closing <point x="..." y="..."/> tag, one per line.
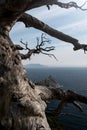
<point x="16" y="47"/>
<point x="60" y="94"/>
<point x="31" y="21"/>
<point x="70" y="5"/>
<point x="38" y="3"/>
<point x="78" y="106"/>
<point x="39" y="48"/>
<point x="50" y="93"/>
<point x="68" y="97"/>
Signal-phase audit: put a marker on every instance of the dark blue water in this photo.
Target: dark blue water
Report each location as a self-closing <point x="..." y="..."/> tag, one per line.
<point x="71" y="78"/>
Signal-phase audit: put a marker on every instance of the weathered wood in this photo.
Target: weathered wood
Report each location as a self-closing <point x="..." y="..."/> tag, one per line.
<point x="31" y="21"/>
<point x="20" y="106"/>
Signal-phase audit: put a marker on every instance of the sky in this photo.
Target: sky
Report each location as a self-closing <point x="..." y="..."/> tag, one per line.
<point x="70" y="21"/>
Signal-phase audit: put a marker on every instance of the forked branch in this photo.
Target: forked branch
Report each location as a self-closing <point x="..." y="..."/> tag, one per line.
<point x="40" y="48"/>
<point x="67" y="97"/>
<point x="60" y="94"/>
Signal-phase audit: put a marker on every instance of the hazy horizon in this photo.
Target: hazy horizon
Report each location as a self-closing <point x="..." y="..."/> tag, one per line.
<point x="31" y="65"/>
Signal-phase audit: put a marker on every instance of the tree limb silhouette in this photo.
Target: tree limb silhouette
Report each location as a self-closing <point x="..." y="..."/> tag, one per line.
<point x="37" y="3"/>
<point x="31" y="21"/>
<point x="39" y="48"/>
<point x="60" y="94"/>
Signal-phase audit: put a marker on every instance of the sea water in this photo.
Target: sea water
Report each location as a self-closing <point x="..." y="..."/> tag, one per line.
<point x="69" y="78"/>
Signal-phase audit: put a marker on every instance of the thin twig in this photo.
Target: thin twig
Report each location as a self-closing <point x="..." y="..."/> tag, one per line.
<point x="39" y="47"/>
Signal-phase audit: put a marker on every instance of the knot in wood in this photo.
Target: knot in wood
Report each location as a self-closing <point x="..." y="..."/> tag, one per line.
<point x="40" y="128"/>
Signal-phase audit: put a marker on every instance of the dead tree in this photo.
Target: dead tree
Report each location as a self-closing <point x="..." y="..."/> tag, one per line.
<point x="22" y="107"/>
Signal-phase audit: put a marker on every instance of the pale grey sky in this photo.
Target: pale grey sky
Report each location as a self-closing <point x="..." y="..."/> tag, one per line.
<point x="72" y="22"/>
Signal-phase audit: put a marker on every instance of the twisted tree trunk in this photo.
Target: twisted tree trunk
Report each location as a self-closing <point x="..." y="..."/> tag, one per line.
<point x="20" y="106"/>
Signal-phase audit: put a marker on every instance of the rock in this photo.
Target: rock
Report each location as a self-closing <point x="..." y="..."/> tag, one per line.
<point x="49" y="82"/>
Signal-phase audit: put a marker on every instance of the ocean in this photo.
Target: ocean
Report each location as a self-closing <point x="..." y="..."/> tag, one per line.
<point x="69" y="78"/>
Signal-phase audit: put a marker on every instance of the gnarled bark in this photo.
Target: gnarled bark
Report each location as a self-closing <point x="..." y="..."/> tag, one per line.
<point x="20" y="106"/>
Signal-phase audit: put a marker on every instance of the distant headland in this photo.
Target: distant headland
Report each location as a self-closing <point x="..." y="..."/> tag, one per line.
<point x="35" y="66"/>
